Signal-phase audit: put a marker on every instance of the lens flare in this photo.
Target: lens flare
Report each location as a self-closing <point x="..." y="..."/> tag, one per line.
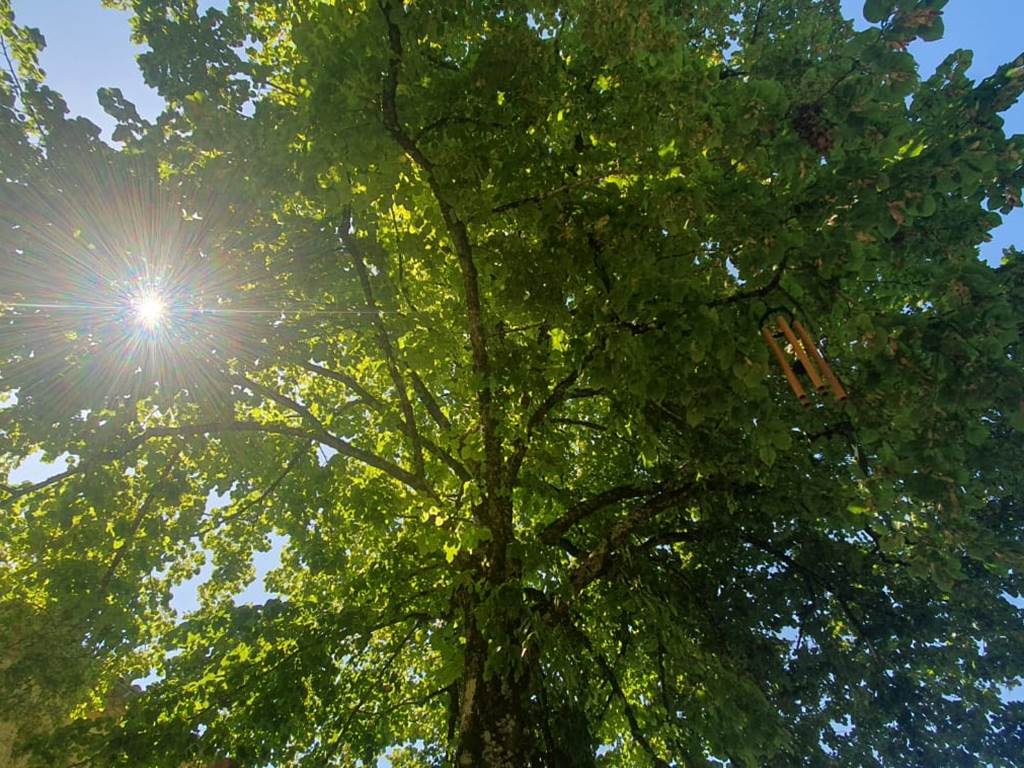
<point x="149" y="310"/>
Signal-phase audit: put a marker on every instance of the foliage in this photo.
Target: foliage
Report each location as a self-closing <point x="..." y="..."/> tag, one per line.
<point x="464" y="302"/>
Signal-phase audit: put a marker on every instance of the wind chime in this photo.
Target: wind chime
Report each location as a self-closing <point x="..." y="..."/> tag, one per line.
<point x="808" y="357"/>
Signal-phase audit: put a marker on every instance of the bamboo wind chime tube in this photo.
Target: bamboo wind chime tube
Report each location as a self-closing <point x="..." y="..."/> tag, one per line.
<point x="802" y="355"/>
<point x="826" y="369"/>
<point x="794" y="383"/>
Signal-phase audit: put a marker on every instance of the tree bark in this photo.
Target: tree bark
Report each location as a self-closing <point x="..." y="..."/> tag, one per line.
<point x="493" y="726"/>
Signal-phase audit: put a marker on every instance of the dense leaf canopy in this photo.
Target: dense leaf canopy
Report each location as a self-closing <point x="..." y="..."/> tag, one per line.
<point x="463" y="302"/>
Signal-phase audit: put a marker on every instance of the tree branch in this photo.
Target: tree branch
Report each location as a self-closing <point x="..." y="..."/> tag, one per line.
<point x="542" y="196"/>
<point x="343" y="378"/>
<point x="343" y="447"/>
<point x="556" y="396"/>
<point x="428" y="400"/>
<point x="140" y="515"/>
<point x="463" y="249"/>
<point x="755" y="293"/>
<point x="584" y="392"/>
<point x="596" y="562"/>
<point x="386" y="348"/>
<point x="828" y="584"/>
<point x="382" y="408"/>
<point x="266" y="492"/>
<point x="554" y="531"/>
<point x="326" y="437"/>
<point x="608" y="672"/>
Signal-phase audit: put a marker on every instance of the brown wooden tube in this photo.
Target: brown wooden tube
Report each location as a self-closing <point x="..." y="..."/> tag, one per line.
<point x="794" y="383"/>
<point x="826" y="369"/>
<point x="798" y="350"/>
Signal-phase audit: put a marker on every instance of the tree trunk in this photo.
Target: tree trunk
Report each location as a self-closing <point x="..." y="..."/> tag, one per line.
<point x="493" y="729"/>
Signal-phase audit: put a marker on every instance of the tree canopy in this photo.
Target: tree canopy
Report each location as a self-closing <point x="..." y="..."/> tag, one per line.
<point x="463" y="301"/>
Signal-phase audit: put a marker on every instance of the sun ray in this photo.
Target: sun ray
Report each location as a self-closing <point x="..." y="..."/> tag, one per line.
<point x="149" y="310"/>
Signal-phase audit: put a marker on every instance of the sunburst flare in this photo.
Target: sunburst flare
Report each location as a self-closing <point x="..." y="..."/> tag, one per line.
<point x="149" y="309"/>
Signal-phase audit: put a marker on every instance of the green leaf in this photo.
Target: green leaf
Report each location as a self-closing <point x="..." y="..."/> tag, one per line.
<point x="933" y="31"/>
<point x="878" y="10"/>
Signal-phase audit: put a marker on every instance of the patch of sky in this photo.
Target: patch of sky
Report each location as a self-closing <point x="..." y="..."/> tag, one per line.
<point x="324" y="454"/>
<point x="35" y="468"/>
<point x="734" y="271"/>
<point x="1014" y="692"/>
<point x="185" y="596"/>
<point x="89" y="47"/>
<point x="842" y="727"/>
<point x="256" y="592"/>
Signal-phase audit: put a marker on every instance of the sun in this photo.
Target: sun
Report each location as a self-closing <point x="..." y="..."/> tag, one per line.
<point x="149" y="310"/>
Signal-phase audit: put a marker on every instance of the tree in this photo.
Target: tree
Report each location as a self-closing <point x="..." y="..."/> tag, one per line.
<point x="465" y="301"/>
